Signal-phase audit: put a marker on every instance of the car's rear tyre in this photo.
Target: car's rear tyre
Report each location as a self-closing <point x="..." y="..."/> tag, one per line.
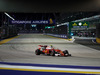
<point x="52" y="53"/>
<point x="37" y="52"/>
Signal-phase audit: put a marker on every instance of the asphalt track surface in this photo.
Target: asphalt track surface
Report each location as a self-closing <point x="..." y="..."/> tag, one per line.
<point x="22" y="50"/>
<point x="88" y="43"/>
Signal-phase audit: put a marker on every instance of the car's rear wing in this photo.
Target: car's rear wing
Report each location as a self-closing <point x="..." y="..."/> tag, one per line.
<point x="42" y="45"/>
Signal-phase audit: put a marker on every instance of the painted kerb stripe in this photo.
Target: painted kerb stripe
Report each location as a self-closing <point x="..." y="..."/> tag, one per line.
<point x="6" y="40"/>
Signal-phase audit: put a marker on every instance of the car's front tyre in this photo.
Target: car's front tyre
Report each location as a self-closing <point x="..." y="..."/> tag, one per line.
<point x="66" y="53"/>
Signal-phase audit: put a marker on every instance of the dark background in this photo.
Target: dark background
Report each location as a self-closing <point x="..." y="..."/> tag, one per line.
<point x="42" y="6"/>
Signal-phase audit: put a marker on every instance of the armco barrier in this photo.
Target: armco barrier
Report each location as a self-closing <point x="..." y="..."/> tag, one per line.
<point x="60" y="36"/>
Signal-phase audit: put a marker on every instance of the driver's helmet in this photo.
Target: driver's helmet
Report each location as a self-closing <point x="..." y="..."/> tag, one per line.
<point x="51" y="46"/>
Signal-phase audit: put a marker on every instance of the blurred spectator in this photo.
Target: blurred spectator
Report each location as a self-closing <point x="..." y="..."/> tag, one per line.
<point x="80" y="34"/>
<point x="93" y="34"/>
<point x="87" y="34"/>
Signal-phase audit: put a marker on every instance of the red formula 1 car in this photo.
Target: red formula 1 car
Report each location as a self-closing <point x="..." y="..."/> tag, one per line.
<point x="50" y="50"/>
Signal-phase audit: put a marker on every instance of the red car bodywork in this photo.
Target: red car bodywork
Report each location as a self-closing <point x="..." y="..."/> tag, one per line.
<point x="50" y="51"/>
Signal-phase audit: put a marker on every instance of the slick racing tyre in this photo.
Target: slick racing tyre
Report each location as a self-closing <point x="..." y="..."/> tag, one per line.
<point x="52" y="53"/>
<point x="66" y="52"/>
<point x="37" y="52"/>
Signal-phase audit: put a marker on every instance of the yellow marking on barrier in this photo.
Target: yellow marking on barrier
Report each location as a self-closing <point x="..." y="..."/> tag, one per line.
<point x="59" y="38"/>
<point x="6" y="40"/>
<point x="45" y="70"/>
<point x="98" y="40"/>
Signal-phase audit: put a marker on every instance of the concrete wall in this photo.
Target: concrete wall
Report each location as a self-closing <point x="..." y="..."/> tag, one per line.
<point x="98" y="33"/>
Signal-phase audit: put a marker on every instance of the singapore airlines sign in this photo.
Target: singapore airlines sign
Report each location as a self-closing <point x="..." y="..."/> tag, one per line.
<point x="50" y="21"/>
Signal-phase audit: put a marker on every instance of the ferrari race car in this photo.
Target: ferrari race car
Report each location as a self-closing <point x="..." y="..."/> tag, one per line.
<point x="50" y="50"/>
